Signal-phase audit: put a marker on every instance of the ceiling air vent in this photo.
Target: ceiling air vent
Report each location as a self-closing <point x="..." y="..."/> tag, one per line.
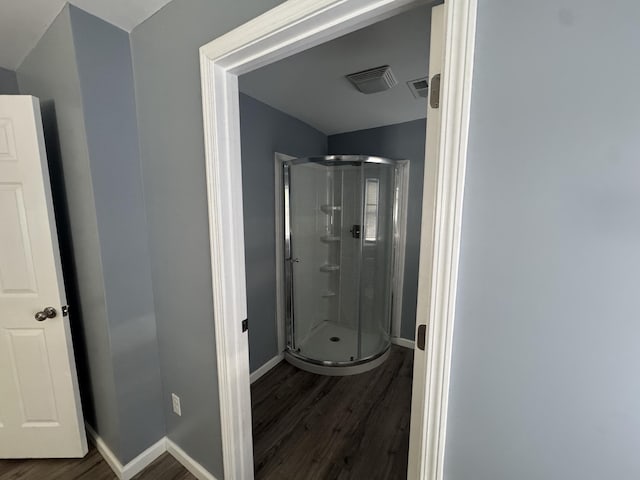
<point x="373" y="80"/>
<point x="419" y="87"/>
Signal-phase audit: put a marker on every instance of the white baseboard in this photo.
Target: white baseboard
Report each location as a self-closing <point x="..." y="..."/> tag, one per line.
<point x="105" y="451"/>
<point x="143" y="460"/>
<point x="146" y="458"/>
<point x="187" y="462"/>
<point x="135" y="466"/>
<point x="403" y="342"/>
<point x="266" y="367"/>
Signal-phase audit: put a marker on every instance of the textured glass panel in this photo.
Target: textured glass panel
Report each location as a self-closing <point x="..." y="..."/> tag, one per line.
<point x="376" y="265"/>
<point x="371" y="209"/>
<point x="371" y="223"/>
<point x="325" y="204"/>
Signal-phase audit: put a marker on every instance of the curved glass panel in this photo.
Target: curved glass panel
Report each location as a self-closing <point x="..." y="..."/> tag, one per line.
<point x="376" y="257"/>
<point x="339" y="255"/>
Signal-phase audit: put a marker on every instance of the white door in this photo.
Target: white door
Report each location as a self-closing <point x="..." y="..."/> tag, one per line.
<point x="40" y="412"/>
<point x="418" y="417"/>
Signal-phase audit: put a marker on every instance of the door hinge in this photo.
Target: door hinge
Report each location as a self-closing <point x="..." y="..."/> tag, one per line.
<point x="245" y="324"/>
<point x="434" y="100"/>
<point x="422" y="334"/>
<point x="65" y="310"/>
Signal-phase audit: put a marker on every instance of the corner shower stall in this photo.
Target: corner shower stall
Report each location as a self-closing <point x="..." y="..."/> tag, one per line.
<point x="340" y="214"/>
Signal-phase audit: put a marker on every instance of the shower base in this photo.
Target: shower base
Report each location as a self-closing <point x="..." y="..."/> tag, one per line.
<point x="329" y="349"/>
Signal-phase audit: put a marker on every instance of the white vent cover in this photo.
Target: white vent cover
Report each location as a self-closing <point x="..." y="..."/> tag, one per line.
<point x="419" y="87"/>
<point x="373" y="80"/>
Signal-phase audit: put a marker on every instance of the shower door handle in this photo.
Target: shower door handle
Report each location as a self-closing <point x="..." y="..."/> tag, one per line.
<point x="293" y="260"/>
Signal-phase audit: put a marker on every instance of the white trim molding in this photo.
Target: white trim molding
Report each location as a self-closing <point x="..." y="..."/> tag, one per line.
<point x="460" y="22"/>
<point x="226" y="233"/>
<point x="289" y="28"/>
<point x="135" y="466"/>
<point x="266" y="368"/>
<point x="187" y="462"/>
<point x="403" y="342"/>
<point x="146" y="458"/>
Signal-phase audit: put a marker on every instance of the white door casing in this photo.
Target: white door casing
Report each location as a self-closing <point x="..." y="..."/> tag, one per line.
<point x="40" y="411"/>
<point x="285" y="30"/>
<point x="436" y="60"/>
<point x="451" y="55"/>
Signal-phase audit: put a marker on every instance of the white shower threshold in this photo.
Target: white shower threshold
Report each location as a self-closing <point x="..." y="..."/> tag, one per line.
<point x="332" y="342"/>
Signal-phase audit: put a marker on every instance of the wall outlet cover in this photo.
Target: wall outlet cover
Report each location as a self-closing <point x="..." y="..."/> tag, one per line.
<point x="175" y="401"/>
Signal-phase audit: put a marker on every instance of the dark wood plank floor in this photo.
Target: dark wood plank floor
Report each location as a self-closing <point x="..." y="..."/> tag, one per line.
<point x="305" y="427"/>
<point x="91" y="467"/>
<point x="315" y="427"/>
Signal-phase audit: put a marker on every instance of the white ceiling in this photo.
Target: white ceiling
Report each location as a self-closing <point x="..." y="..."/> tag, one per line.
<point x="22" y="22"/>
<point x="311" y="85"/>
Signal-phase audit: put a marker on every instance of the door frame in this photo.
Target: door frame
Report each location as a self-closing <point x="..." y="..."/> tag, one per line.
<point x="287" y="29"/>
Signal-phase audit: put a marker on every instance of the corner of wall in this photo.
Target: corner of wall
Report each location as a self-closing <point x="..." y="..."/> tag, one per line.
<point x="8" y="82"/>
<point x="103" y="56"/>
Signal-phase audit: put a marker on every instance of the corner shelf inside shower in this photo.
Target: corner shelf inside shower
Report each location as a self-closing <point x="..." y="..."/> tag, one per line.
<point x="329" y="209"/>
<point x="330" y="238"/>
<point x="328" y="267"/>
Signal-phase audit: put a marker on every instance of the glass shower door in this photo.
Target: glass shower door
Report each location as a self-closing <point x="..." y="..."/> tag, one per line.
<point x="316" y="227"/>
<point x="378" y="183"/>
<point x="348" y="318"/>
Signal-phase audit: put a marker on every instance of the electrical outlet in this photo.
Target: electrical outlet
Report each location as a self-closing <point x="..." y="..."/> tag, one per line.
<point x="175" y="400"/>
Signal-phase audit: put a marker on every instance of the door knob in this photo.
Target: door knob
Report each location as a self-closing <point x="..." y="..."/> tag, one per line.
<point x="48" y="312"/>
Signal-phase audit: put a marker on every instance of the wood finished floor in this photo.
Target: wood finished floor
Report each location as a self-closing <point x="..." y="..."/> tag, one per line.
<point x="312" y="427"/>
<point x="91" y="467"/>
<point x="305" y="427"/>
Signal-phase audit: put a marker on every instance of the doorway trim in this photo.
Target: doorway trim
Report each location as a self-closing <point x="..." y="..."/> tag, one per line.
<point x="281" y="32"/>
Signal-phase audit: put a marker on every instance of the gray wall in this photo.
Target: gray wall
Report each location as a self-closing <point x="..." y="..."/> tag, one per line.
<point x="399" y="141"/>
<point x="50" y="73"/>
<point x="545" y="355"/>
<point x="168" y="99"/>
<point x="265" y="130"/>
<point x="81" y="70"/>
<point x="106" y="78"/>
<point x="8" y="82"/>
